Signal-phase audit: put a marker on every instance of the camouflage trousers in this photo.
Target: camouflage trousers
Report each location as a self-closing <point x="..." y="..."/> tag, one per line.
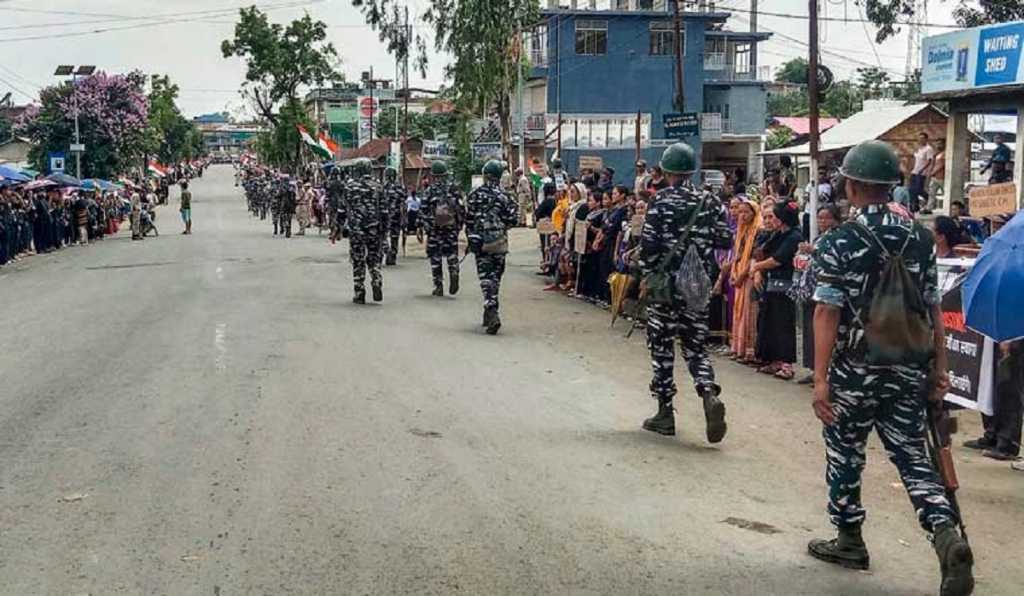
<point x="891" y="402"/>
<point x="285" y="224"/>
<point x="489" y="270"/>
<point x="394" y="232"/>
<point x="443" y="245"/>
<point x="665" y="323"/>
<point x="365" y="253"/>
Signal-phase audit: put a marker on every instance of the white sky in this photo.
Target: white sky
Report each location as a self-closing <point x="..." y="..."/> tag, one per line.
<point x="182" y="38"/>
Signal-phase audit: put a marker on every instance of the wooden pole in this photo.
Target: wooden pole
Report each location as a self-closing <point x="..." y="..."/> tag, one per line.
<point x="677" y="24"/>
<point x="812" y="92"/>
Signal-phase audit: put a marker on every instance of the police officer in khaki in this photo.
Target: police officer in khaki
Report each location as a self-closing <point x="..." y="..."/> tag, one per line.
<point x="867" y="379"/>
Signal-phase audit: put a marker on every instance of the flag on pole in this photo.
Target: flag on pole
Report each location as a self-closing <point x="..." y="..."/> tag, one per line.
<point x="329" y="145"/>
<point x="156" y="169"/>
<point x="313" y="144"/>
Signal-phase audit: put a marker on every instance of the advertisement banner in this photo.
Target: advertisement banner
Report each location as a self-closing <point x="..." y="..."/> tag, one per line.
<point x="485" y="151"/>
<point x="987" y="56"/>
<point x="677" y="126"/>
<point x="437" y="150"/>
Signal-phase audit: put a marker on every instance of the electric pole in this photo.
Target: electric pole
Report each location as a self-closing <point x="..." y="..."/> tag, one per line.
<point x="753" y="29"/>
<point x="677" y="25"/>
<point x="812" y="93"/>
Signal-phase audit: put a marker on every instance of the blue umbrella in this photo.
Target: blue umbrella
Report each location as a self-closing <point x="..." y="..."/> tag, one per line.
<point x="12" y="174"/>
<point x="993" y="293"/>
<point x="92" y="184"/>
<point x="64" y="179"/>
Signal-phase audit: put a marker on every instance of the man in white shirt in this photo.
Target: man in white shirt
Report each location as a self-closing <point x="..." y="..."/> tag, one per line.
<point x="924" y="159"/>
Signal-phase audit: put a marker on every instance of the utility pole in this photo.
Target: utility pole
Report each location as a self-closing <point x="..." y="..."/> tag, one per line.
<point x="677" y="25"/>
<point x="373" y="112"/>
<point x="405" y="79"/>
<point x="812" y="93"/>
<point x="753" y="29"/>
<point x="519" y="99"/>
<point x="558" y="82"/>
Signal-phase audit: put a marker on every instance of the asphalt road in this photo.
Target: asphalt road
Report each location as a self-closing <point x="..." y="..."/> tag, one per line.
<point x="210" y="414"/>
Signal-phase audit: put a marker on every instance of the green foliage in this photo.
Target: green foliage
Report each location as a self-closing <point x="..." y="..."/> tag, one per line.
<point x="280" y="59"/>
<point x="779" y="137"/>
<point x="281" y="145"/>
<point x="6" y="129"/>
<point x="888" y="15"/>
<point x="793" y="71"/>
<point x="873" y="81"/>
<point x="171" y="137"/>
<point x="423" y="126"/>
<point x="792" y="103"/>
<point x="463" y="165"/>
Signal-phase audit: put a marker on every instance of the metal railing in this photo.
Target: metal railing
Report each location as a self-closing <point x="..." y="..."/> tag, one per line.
<point x="539" y="57"/>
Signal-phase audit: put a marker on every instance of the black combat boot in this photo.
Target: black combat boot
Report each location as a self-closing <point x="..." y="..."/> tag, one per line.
<point x="360" y="296"/>
<point x="378" y="293"/>
<point x="391" y="260"/>
<point x="846" y="550"/>
<point x="956" y="561"/>
<point x="714" y="414"/>
<point x="664" y="422"/>
<point x="453" y="283"/>
<point x="438" y="288"/>
<point x="492" y="320"/>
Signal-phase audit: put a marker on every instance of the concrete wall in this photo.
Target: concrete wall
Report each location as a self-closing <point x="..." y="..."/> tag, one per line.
<point x="748" y="109"/>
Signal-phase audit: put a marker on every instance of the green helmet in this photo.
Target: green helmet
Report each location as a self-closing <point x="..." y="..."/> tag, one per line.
<point x="390" y="173"/>
<point x="679" y="158"/>
<point x="439" y="168"/>
<point x="874" y="162"/>
<point x="493" y="169"/>
<point x="362" y="167"/>
<point x="556" y="163"/>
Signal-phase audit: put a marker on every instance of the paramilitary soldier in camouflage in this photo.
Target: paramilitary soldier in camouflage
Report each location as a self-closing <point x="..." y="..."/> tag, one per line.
<point x="666" y="221"/>
<point x="335" y="202"/>
<point x="442" y="215"/>
<point x="365" y="212"/>
<point x="287" y="206"/>
<point x="851" y="396"/>
<point x="394" y="193"/>
<point x="276" y="198"/>
<point x="490" y="212"/>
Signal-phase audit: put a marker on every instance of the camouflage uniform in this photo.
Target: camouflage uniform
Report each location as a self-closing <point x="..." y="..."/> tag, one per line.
<point x="889" y="399"/>
<point x="335" y="203"/>
<point x="666" y="220"/>
<point x="394" y="193"/>
<point x="442" y="243"/>
<point x="489" y="213"/>
<point x="276" y="197"/>
<point x="365" y="211"/>
<point x="287" y="208"/>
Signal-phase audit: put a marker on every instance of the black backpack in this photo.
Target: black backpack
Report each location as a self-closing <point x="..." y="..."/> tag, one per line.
<point x="897" y="328"/>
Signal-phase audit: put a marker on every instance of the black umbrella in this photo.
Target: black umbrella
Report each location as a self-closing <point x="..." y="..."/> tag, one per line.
<point x="64" y="180"/>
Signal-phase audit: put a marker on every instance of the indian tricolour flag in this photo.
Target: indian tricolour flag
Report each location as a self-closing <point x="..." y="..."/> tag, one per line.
<point x="157" y="169"/>
<point x="313" y="144"/>
<point x="328" y="145"/>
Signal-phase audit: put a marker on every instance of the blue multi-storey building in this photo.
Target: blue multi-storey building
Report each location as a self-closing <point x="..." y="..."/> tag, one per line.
<point x="597" y="71"/>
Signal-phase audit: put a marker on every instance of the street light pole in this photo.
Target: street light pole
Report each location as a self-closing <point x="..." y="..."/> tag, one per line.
<point x="78" y="139"/>
<point x="815" y="136"/>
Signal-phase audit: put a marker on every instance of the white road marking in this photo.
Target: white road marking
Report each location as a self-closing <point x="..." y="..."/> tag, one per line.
<point x="221" y="345"/>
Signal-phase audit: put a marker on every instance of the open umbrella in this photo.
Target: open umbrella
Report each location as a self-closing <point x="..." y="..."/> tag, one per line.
<point x="993" y="293"/>
<point x="92" y="184"/>
<point x="619" y="283"/>
<point x="64" y="179"/>
<point x="37" y="184"/>
<point x="9" y="173"/>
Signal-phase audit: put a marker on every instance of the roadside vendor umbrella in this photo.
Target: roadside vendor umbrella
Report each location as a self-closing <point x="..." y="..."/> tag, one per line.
<point x="993" y="293"/>
<point x="92" y="184"/>
<point x="64" y="179"/>
<point x="37" y="184"/>
<point x="619" y="283"/>
<point x="9" y="173"/>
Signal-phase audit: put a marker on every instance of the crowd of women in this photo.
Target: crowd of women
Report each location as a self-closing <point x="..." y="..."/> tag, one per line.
<point x="763" y="293"/>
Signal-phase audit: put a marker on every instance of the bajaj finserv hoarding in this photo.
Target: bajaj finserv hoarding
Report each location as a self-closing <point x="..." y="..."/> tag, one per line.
<point x="987" y="56"/>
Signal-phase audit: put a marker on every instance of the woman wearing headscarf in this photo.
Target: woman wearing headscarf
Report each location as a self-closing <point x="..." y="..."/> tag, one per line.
<point x="577" y="214"/>
<point x="744" y="311"/>
<point x="776" y="329"/>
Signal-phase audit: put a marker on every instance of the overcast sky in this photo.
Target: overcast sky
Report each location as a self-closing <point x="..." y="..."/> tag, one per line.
<point x="182" y="38"/>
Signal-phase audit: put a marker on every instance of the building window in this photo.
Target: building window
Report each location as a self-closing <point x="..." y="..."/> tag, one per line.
<point x="663" y="39"/>
<point x="592" y="37"/>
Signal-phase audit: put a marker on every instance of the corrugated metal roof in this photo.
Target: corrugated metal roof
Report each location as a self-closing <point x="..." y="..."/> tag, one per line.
<point x="802" y="126"/>
<point x="870" y="123"/>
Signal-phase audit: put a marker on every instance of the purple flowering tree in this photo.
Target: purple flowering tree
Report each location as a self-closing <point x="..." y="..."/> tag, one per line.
<point x="113" y="116"/>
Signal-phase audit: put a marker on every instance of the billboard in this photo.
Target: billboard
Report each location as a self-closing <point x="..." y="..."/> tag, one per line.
<point x="976" y="58"/>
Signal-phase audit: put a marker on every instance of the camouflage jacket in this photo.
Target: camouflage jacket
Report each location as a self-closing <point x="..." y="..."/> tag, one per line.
<point x="490" y="212"/>
<point x="442" y="190"/>
<point x="666" y="221"/>
<point x="364" y="206"/>
<point x="395" y="196"/>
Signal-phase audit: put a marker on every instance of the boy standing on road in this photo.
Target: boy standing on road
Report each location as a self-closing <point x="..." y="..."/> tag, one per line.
<point x="186" y="207"/>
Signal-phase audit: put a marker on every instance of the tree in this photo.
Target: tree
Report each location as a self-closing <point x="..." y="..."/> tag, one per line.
<point x="482" y="36"/>
<point x="280" y="59"/>
<point x="792" y="103"/>
<point x="873" y="81"/>
<point x="6" y="129"/>
<point x="113" y="121"/>
<point x="888" y="15"/>
<point x="423" y="126"/>
<point x="793" y="71"/>
<point x="778" y="138"/>
<point x="172" y="138"/>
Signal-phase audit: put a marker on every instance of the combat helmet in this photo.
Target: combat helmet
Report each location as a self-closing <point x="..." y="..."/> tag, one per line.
<point x="362" y="167"/>
<point x="874" y="162"/>
<point x="438" y="169"/>
<point x="556" y="163"/>
<point x="493" y="169"/>
<point x="679" y="158"/>
<point x="390" y="174"/>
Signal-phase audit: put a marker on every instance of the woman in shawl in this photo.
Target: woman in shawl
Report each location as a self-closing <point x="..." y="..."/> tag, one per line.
<point x="744" y="312"/>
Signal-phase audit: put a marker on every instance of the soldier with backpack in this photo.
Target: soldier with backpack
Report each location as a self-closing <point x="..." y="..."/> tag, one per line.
<point x="490" y="212"/>
<point x="394" y="191"/>
<point x="364" y="211"/>
<point x="443" y="215"/>
<point x="680" y="234"/>
<point x="879" y="356"/>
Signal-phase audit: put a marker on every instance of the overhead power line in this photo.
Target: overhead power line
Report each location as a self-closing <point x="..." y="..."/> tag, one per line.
<point x="803" y="17"/>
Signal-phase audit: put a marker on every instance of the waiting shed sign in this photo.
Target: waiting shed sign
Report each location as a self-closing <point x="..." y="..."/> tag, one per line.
<point x="987" y="56"/>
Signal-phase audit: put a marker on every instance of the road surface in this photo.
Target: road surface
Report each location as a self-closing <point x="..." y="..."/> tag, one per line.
<point x="210" y="414"/>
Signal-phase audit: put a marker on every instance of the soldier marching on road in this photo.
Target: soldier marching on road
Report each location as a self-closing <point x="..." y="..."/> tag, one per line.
<point x="364" y="211"/>
<point x="287" y="206"/>
<point x="276" y="197"/>
<point x="490" y="212"/>
<point x="868" y="380"/>
<point x="394" y="193"/>
<point x="443" y="215"/>
<point x="678" y="211"/>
